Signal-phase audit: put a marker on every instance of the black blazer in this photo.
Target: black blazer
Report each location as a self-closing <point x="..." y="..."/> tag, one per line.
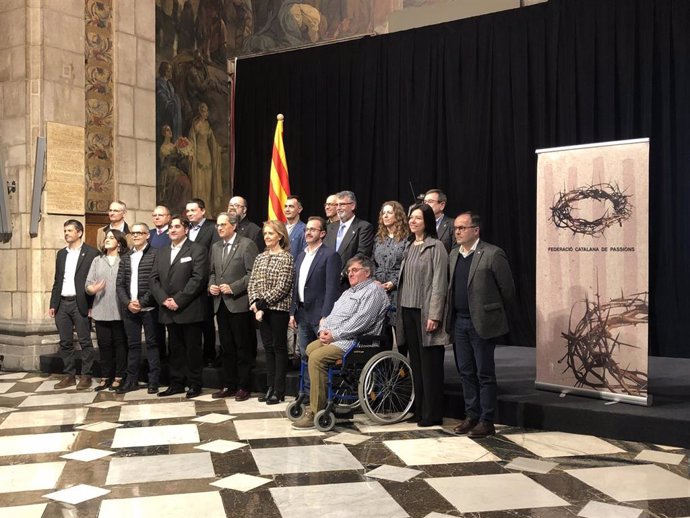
<point x="250" y="230"/>
<point x="207" y="235"/>
<point x="446" y="234"/>
<point x="359" y="239"/>
<point x="322" y="287"/>
<point x="86" y="257"/>
<point x="124" y="276"/>
<point x="185" y="280"/>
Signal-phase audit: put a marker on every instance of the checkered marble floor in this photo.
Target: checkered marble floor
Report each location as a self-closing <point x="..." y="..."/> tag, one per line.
<point x="68" y="453"/>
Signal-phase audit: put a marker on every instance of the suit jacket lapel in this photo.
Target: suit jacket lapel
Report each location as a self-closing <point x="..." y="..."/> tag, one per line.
<point x="477" y="256"/>
<point x="314" y="263"/>
<point x="80" y="260"/>
<point x="231" y="252"/>
<point x="349" y="235"/>
<point x="181" y="253"/>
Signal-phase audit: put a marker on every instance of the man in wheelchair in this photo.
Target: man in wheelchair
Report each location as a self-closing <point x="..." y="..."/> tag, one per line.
<point x="360" y="310"/>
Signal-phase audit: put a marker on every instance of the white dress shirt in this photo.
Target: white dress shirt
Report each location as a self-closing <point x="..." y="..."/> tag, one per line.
<point x="68" y="287"/>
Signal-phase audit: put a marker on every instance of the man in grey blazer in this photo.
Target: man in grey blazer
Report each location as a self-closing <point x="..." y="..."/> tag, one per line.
<point x="232" y="260"/>
<point x="436" y="199"/>
<point x="351" y="235"/>
<point x="481" y="286"/>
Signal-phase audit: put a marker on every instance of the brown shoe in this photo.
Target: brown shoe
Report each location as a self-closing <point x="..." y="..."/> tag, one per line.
<point x="65" y="382"/>
<point x="306" y="421"/>
<point x="84" y="382"/>
<point x="223" y="393"/>
<point x="483" y="429"/>
<point x="465" y="425"/>
<point x="242" y="395"/>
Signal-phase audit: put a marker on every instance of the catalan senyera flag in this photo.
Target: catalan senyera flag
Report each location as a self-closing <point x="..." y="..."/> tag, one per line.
<point x="279" y="186"/>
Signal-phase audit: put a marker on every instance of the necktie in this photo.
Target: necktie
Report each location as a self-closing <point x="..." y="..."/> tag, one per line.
<point x="339" y="236"/>
<point x="226" y="249"/>
<point x="160" y="231"/>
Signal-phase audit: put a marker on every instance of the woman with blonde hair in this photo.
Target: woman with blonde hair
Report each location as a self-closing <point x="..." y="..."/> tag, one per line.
<point x="389" y="247"/>
<point x="270" y="294"/>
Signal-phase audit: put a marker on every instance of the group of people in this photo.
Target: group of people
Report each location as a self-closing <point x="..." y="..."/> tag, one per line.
<point x="423" y="280"/>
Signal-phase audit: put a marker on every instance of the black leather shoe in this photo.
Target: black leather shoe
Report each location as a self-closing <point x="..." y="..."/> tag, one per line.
<point x="126" y="387"/>
<point x="264" y="397"/>
<point x="152" y="389"/>
<point x="483" y="429"/>
<point x="193" y="392"/>
<point x="423" y="423"/>
<point x="274" y="399"/>
<point x="171" y="391"/>
<point x="223" y="393"/>
<point x="465" y="425"/>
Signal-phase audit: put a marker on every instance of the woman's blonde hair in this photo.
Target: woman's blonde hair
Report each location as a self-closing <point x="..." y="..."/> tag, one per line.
<point x="279" y="228"/>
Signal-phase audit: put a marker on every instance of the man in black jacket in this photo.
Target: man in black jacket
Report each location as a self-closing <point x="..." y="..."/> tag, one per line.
<point x="139" y="309"/>
<point x="69" y="304"/>
<point x="178" y="283"/>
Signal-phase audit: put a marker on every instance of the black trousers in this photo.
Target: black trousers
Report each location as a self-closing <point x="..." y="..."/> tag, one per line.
<point x="186" y="354"/>
<point x="112" y="344"/>
<point x="427" y="368"/>
<point x="67" y="319"/>
<point x="238" y="347"/>
<point x="209" y="332"/>
<point x="273" y="329"/>
<point x="134" y="322"/>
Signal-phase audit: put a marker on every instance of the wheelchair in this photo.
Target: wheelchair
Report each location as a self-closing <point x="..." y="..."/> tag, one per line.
<point x="370" y="377"/>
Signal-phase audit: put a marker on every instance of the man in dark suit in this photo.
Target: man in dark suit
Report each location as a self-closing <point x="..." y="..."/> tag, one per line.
<point x="245" y="228"/>
<point x="203" y="232"/>
<point x="317" y="284"/>
<point x="351" y="236"/>
<point x="158" y="237"/>
<point x="436" y="199"/>
<point x="481" y="287"/>
<point x="69" y="304"/>
<point x="178" y="281"/>
<point x="232" y="260"/>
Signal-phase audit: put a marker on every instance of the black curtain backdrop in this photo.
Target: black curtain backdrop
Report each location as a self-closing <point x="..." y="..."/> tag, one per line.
<point x="462" y="106"/>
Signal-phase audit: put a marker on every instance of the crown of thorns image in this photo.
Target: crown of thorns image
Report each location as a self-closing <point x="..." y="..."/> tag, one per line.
<point x="562" y="211"/>
<point x="595" y="341"/>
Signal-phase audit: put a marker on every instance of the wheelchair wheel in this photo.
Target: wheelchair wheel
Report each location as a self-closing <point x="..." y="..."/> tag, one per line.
<point x="386" y="391"/>
<point x="324" y="420"/>
<point x="295" y="411"/>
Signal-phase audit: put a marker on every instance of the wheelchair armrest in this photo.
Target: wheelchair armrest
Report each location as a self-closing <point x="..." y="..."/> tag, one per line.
<point x="370" y="339"/>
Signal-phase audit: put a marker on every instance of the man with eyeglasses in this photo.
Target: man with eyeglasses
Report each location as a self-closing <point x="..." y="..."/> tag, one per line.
<point x="436" y="199"/>
<point x="360" y="310"/>
<point x="351" y="235"/>
<point x="317" y="284"/>
<point x="232" y="260"/>
<point x="158" y="237"/>
<point x="116" y="216"/>
<point x="330" y="208"/>
<point x="238" y="206"/>
<point x="139" y="309"/>
<point x="481" y="288"/>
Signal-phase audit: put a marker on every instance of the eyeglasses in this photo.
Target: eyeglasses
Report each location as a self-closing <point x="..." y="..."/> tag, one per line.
<point x="431" y="201"/>
<point x="312" y="229"/>
<point x="354" y="270"/>
<point x="159" y="215"/>
<point x="330" y="204"/>
<point x="462" y="229"/>
<point x="115" y="210"/>
<point x="221" y="225"/>
<point x="342" y="204"/>
<point x="137" y="233"/>
<point x="235" y="205"/>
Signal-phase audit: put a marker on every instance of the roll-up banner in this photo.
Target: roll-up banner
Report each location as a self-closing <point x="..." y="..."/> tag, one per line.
<point x="592" y="270"/>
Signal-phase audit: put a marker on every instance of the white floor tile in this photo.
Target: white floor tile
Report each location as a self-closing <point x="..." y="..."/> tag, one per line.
<point x="13" y="376"/>
<point x="39" y="418"/>
<point x="157" y="411"/>
<point x="368" y="499"/>
<point x="394" y="473"/>
<point x="59" y="398"/>
<point x="106" y="404"/>
<point x="100" y="426"/>
<point x="87" y="454"/>
<point x="208" y="504"/>
<point x="270" y="429"/>
<point x="252" y="406"/>
<point x="7" y="409"/>
<point x="77" y="494"/>
<point x="668" y="448"/>
<point x="560" y="444"/>
<point x="241" y="482"/>
<point x="33" y="379"/>
<point x="213" y="418"/>
<point x="23" y="511"/>
<point x="304" y="459"/>
<point x="16" y="395"/>
<point x="30" y="477"/>
<point x="533" y="465"/>
<point x="158" y="468"/>
<point x="595" y="509"/>
<point x="4" y="387"/>
<point x="155" y="435"/>
<point x="351" y="439"/>
<point x="143" y="395"/>
<point x="221" y="446"/>
<point x="36" y="443"/>
<point x="439" y="515"/>
<point x="633" y="483"/>
<point x="439" y="450"/>
<point x="660" y="457"/>
<point x="480" y="493"/>
<point x="364" y="425"/>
